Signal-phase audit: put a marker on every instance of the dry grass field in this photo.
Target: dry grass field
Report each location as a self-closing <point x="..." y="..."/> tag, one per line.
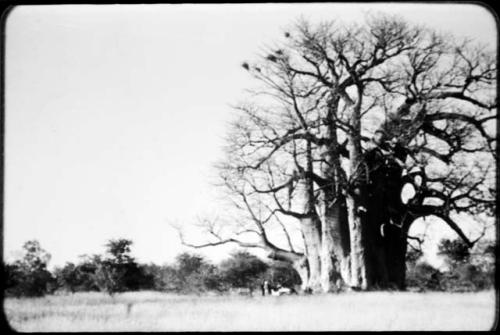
<point x="153" y="311"/>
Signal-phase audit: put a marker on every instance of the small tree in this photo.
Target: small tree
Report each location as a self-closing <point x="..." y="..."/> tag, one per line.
<point x="67" y="277"/>
<point x="117" y="271"/>
<point x="85" y="271"/>
<point x="29" y="276"/>
<point x="108" y="278"/>
<point x="119" y="251"/>
<point x="195" y="274"/>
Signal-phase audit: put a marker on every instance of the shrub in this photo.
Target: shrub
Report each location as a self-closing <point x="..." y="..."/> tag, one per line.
<point x="424" y="276"/>
<point x="29" y="276"/>
<point x="469" y="269"/>
<point x="194" y="274"/>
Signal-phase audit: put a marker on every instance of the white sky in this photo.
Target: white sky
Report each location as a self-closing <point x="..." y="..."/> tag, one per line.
<point x="115" y="114"/>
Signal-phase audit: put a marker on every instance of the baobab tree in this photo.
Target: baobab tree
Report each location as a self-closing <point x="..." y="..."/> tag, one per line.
<point x="346" y="117"/>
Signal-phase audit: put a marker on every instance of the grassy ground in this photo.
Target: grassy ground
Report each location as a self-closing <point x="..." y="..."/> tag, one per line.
<point x="153" y="311"/>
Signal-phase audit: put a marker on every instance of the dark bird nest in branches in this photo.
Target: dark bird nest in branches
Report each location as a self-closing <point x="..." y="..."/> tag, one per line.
<point x="272" y="58"/>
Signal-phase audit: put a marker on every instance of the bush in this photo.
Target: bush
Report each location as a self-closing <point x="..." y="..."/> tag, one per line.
<point x="467" y="278"/>
<point x="85" y="273"/>
<point x="193" y="274"/>
<point x="29" y="276"/>
<point x="424" y="277"/>
<point x="469" y="269"/>
<point x="165" y="278"/>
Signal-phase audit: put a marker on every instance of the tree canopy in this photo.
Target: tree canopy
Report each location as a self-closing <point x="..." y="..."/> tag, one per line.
<point x="346" y="117"/>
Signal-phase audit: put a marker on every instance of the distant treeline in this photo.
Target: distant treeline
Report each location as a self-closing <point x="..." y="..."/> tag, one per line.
<point x="117" y="271"/>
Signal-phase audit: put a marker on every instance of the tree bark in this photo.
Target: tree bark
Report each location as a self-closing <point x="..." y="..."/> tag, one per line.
<point x="359" y="264"/>
<point x="312" y="241"/>
<point x="335" y="251"/>
<point x="387" y="223"/>
<point x="361" y="269"/>
<point x="311" y="226"/>
<point x="311" y="231"/>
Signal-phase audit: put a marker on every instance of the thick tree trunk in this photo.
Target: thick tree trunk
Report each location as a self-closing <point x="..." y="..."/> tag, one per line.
<point x="388" y="219"/>
<point x="335" y="248"/>
<point x="395" y="251"/>
<point x="356" y="201"/>
<point x="298" y="262"/>
<point x="386" y="256"/>
<point x="387" y="222"/>
<point x="335" y="252"/>
<point x="302" y="269"/>
<point x="311" y="227"/>
<point x="328" y="270"/>
<point x="359" y="261"/>
<point x="378" y="236"/>
<point x="312" y="241"/>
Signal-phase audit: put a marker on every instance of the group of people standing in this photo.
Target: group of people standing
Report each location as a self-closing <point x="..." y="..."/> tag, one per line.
<point x="265" y="288"/>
